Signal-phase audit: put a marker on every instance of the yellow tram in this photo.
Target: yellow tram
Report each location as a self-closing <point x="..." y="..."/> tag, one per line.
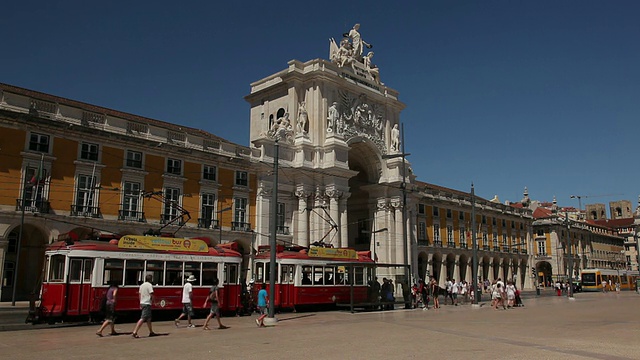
<point x="595" y="279"/>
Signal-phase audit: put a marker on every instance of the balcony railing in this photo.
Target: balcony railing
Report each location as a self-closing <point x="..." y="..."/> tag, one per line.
<point x="129" y="215"/>
<point x="485" y="247"/>
<point x="165" y="218"/>
<point x="240" y="226"/>
<point x="83" y="210"/>
<point x="437" y="243"/>
<point x="36" y="206"/>
<point x="523" y="251"/>
<point x="282" y="230"/>
<point x="208" y="223"/>
<point x="505" y="249"/>
<point x="423" y="242"/>
<point x="464" y="245"/>
<point x="451" y="244"/>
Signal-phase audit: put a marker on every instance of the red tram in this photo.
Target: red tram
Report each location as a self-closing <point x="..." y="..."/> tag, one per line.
<point x="315" y="276"/>
<point x="76" y="275"/>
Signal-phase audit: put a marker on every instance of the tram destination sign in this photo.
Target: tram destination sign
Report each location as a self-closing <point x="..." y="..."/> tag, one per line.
<point x="162" y="244"/>
<point x="333" y="253"/>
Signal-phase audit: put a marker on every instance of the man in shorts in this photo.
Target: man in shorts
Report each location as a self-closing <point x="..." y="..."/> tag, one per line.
<point x="215" y="306"/>
<point x="146" y="297"/>
<point x="187" y="302"/>
<point x="262" y="305"/>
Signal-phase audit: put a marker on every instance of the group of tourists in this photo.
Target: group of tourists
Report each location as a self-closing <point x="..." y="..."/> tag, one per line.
<point x="505" y="296"/>
<point x="145" y="293"/>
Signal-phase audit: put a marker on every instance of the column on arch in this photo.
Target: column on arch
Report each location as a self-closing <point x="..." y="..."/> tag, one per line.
<point x="302" y="230"/>
<point x="334" y="214"/>
<point x="344" y="225"/>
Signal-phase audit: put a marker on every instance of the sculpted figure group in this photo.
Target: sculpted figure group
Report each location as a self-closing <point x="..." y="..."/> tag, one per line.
<point x="351" y="51"/>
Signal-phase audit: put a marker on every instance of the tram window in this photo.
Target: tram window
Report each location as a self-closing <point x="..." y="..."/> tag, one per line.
<point x="359" y="275"/>
<point x="286" y="274"/>
<point x="209" y="272"/>
<point x="75" y="270"/>
<point x="623" y="279"/>
<point x="133" y="272"/>
<point x="192" y="268"/>
<point x="174" y="273"/>
<point x="342" y="276"/>
<point x="88" y="269"/>
<point x="306" y="275"/>
<point x="56" y="271"/>
<point x="231" y="273"/>
<point x="156" y="268"/>
<point x="113" y="270"/>
<point x="259" y="272"/>
<point x="267" y="272"/>
<point x="318" y="272"/>
<point x="328" y="275"/>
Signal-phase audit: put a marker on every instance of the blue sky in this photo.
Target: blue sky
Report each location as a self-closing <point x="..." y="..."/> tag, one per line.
<point x="505" y="94"/>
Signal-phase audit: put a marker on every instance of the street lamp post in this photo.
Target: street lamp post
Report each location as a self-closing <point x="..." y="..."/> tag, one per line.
<point x="570" y="290"/>
<point x="403" y="187"/>
<point x="474" y="269"/>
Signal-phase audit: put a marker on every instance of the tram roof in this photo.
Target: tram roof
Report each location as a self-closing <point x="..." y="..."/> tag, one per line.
<point x="301" y="253"/>
<point x="94" y="245"/>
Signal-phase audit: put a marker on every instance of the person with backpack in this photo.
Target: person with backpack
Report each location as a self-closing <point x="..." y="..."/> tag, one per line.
<point x="214" y="299"/>
<point x="109" y="309"/>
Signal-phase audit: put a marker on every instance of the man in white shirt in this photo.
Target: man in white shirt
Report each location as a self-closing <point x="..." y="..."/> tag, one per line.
<point x="146" y="298"/>
<point x="187" y="301"/>
<point x="454" y="292"/>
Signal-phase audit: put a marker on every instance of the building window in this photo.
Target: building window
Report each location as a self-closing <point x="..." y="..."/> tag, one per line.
<point x="540" y="232"/>
<point x="495" y="240"/>
<point x="207" y="211"/>
<point x="435" y="211"/>
<point x="449" y="215"/>
<point x="39" y="143"/>
<point x="85" y="196"/>
<point x="171" y="204"/>
<point x="174" y="166"/>
<point x="485" y="239"/>
<point x="241" y="178"/>
<point x="504" y="223"/>
<point x="461" y="215"/>
<point x="209" y="173"/>
<point x="436" y="232"/>
<point x="422" y="230"/>
<point x="421" y="209"/>
<point x="493" y="221"/>
<point x="12" y="246"/>
<point x="280" y="211"/>
<point x="240" y="210"/>
<point x="450" y="234"/>
<point x="89" y="152"/>
<point x="134" y="159"/>
<point x="462" y="236"/>
<point x="484" y="219"/>
<point x="130" y="201"/>
<point x="542" y="248"/>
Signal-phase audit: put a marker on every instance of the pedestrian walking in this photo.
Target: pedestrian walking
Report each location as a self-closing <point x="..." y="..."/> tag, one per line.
<point x="434" y="289"/>
<point x="263" y="302"/>
<point x="146" y="299"/>
<point x="187" y="302"/>
<point x="215" y="301"/>
<point x="511" y="294"/>
<point x="110" y="309"/>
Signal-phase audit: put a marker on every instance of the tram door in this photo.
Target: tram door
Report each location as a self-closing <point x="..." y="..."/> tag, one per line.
<point x="79" y="286"/>
<point x="287" y="273"/>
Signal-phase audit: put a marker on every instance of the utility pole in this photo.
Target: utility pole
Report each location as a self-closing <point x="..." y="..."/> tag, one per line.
<point x="474" y="269"/>
<point x="570" y="255"/>
<point x="272" y="240"/>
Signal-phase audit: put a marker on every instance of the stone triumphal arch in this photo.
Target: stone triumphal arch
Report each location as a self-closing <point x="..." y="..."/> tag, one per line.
<point x="337" y="127"/>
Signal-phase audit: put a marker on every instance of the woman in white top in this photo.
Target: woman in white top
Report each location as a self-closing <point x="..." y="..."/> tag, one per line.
<point x="511" y="294"/>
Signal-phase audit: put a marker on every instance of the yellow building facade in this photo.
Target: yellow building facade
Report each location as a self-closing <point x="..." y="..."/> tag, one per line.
<point x="68" y="167"/>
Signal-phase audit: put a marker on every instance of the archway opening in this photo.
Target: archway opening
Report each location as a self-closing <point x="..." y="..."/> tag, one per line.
<point x="29" y="270"/>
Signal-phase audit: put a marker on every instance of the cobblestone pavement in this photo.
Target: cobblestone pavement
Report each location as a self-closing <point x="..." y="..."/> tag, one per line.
<point x="593" y="326"/>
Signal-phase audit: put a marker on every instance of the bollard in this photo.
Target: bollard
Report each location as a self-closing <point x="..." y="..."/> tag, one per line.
<point x="538" y="290"/>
